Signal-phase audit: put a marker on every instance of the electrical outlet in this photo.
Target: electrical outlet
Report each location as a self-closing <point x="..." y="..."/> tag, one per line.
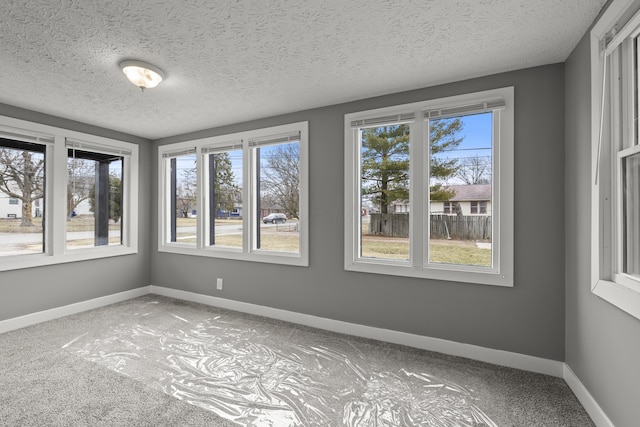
<point x="219" y="284"/>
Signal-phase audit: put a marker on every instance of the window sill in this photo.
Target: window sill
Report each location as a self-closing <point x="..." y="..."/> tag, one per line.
<point x="624" y="298"/>
<point x="18" y="262"/>
<point x="235" y="254"/>
<point x="406" y="270"/>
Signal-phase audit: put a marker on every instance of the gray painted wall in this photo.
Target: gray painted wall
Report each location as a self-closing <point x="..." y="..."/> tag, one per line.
<point x="35" y="289"/>
<point x="528" y="318"/>
<point x="602" y="342"/>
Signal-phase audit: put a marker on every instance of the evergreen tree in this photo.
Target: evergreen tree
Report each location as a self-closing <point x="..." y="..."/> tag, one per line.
<point x="385" y="161"/>
<point x="385" y="164"/>
<point x="226" y="190"/>
<point x="444" y="135"/>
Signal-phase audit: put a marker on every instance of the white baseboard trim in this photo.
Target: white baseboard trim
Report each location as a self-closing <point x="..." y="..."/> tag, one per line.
<point x="55" y="313"/>
<point x="594" y="410"/>
<point x="497" y="357"/>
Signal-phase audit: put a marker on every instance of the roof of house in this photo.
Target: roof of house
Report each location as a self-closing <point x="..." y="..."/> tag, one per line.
<point x="470" y="192"/>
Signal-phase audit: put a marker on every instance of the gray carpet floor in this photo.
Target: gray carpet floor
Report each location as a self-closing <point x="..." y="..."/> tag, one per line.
<point x="155" y="361"/>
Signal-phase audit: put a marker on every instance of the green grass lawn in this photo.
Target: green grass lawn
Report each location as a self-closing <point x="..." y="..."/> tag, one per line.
<point x="441" y="251"/>
<point x="282" y="239"/>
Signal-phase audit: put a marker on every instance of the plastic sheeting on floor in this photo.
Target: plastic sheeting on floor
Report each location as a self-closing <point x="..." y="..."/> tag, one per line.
<point x="260" y="372"/>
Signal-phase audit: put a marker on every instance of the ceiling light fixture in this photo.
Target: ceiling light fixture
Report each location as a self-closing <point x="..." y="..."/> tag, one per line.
<point x="142" y="74"/>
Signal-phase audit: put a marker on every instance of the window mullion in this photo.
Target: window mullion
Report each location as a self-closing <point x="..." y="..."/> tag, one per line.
<point x="426" y="184"/>
<point x="251" y="223"/>
<point x="200" y="187"/>
<point x="208" y="192"/>
<point x="247" y="203"/>
<point x="56" y="207"/>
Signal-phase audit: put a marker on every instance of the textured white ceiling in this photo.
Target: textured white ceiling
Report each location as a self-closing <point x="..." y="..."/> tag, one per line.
<point x="231" y="61"/>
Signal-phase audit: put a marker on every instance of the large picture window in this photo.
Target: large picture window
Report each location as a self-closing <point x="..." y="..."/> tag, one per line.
<point x="615" y="211"/>
<point x="245" y="196"/>
<point x="431" y="185"/>
<point x="64" y="195"/>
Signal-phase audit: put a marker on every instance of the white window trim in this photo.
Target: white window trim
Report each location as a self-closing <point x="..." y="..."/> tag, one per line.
<point x="603" y="279"/>
<point x="56" y="195"/>
<point x="502" y="204"/>
<point x="249" y="220"/>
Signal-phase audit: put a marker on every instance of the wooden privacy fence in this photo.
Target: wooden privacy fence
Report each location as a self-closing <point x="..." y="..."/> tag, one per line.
<point x="392" y="225"/>
<point x="463" y="227"/>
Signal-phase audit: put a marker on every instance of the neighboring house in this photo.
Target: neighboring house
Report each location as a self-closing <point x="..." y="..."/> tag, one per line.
<point x="468" y="200"/>
<point x="12" y="208"/>
<point x="237" y="211"/>
<point x="83" y="208"/>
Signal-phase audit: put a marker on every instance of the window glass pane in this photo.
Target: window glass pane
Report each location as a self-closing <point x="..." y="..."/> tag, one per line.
<point x="384" y="192"/>
<point x="460" y="165"/>
<point x="94" y="199"/>
<point x="22" y="186"/>
<point x="182" y="198"/>
<point x="224" y="195"/>
<point x="631" y="215"/>
<point x="278" y="197"/>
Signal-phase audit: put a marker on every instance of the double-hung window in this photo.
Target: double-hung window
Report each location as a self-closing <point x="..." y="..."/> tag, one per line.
<point x="239" y="196"/>
<point x="64" y="195"/>
<point x="419" y="157"/>
<point x="615" y="62"/>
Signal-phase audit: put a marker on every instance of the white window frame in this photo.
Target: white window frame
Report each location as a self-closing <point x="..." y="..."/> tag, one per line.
<point x="55" y="206"/>
<point x="610" y="133"/>
<point x="250" y="221"/>
<point x="501" y="273"/>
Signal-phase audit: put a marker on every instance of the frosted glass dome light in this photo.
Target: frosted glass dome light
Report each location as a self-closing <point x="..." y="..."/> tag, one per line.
<point x="142" y="74"/>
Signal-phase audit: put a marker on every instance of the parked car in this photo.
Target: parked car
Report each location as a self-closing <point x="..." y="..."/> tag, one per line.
<point x="275" y="218"/>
